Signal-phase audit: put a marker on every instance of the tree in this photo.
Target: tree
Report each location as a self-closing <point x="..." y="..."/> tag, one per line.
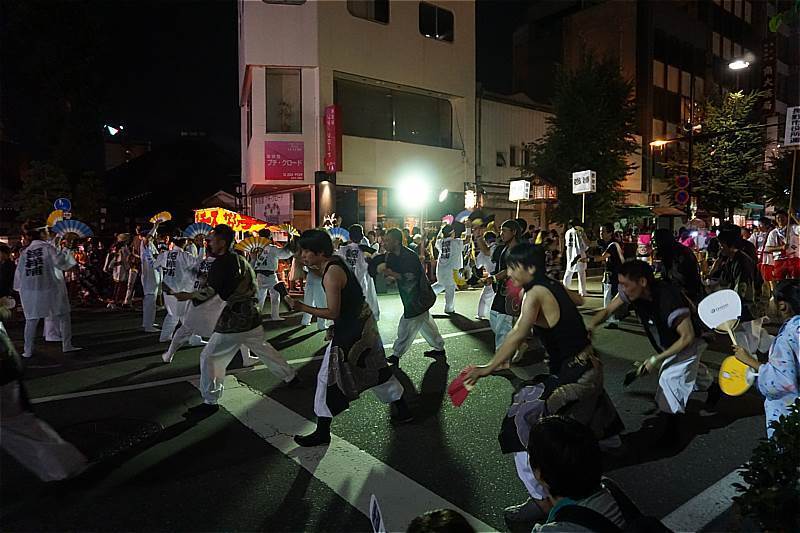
<point x="728" y="160"/>
<point x="590" y="130"/>
<point x="42" y="185"/>
<point x="778" y="180"/>
<point x="90" y="196"/>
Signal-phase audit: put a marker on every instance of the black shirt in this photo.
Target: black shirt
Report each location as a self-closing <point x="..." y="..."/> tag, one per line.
<point x="499" y="259"/>
<point x="410" y="284"/>
<point x="660" y="315"/>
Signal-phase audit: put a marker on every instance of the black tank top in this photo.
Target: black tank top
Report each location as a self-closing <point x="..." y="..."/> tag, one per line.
<point x="348" y="327"/>
<point x="568" y="337"/>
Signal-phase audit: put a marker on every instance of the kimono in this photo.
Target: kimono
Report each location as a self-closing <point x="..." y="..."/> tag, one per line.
<point x="778" y="379"/>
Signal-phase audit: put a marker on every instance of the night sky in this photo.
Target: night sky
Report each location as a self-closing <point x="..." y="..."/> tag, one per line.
<point x="158" y="67"/>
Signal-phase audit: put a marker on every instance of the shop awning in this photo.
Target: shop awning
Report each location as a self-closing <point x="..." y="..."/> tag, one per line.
<point x="668" y="212"/>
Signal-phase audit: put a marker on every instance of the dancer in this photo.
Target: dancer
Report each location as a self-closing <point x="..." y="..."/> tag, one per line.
<point x="151" y="280"/>
<point x="500" y="320"/>
<point x="450" y="261"/>
<point x="177" y="267"/>
<point x="232" y="278"/>
<point x="576" y="247"/>
<point x="484" y="261"/>
<point x="612" y="258"/>
<point x="314" y="296"/>
<point x="265" y="265"/>
<point x="117" y="264"/>
<point x="134" y="268"/>
<point x="41" y="292"/>
<point x="678" y="264"/>
<point x="356" y="350"/>
<point x="401" y="265"/>
<point x="667" y="316"/>
<point x="354" y="255"/>
<point x="574" y="387"/>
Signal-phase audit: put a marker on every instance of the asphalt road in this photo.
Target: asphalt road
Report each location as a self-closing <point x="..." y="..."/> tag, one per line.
<point x="237" y="470"/>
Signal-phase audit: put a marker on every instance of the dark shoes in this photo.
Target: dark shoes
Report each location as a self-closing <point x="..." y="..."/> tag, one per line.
<point x="393" y="360"/>
<point x="400" y="412"/>
<point x="434" y="354"/>
<point x="198" y="412"/>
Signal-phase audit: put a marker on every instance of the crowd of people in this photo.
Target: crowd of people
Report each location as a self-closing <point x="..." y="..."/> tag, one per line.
<point x="214" y="291"/>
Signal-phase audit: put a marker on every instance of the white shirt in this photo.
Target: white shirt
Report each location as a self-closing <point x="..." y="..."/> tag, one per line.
<point x="777" y="237"/>
<point x="485" y="261"/>
<point x="451" y="254"/>
<point x="354" y="257"/>
<point x="575" y="245"/>
<point x="268" y="258"/>
<point x="151" y="277"/>
<point x="179" y="269"/>
<point x="40" y="290"/>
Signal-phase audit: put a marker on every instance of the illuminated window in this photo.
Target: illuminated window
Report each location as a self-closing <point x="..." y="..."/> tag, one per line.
<point x="748" y="12"/>
<point x="284" y="101"/>
<point x="673" y="79"/>
<point x="715" y="44"/>
<point x="374" y="10"/>
<point x="436" y="22"/>
<point x="658" y="74"/>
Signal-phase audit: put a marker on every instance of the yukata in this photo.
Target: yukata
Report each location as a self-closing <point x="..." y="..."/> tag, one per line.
<point x="779" y="378"/>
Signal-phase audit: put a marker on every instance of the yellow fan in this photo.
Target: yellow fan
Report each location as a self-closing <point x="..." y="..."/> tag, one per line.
<point x="163" y="216"/>
<point x="55" y="216"/>
<point x="735" y="377"/>
<point x="252" y="244"/>
<point x="291" y="230"/>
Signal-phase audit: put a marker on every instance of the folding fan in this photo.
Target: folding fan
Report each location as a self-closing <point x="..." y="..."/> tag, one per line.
<point x="339" y="233"/>
<point x="55" y="216"/>
<point x="288" y="228"/>
<point x="252" y="244"/>
<point x="463" y="215"/>
<point x="163" y="216"/>
<point x="198" y="228"/>
<point x="448" y="219"/>
<point x="76" y="227"/>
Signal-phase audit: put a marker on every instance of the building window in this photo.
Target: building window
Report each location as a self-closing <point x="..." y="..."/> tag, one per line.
<point x="512" y="157"/>
<point x="699" y="89"/>
<point x="737" y="51"/>
<point x="715" y="44"/>
<point x="673" y="79"/>
<point x="436" y="22"/>
<point x="374" y="10"/>
<point x="658" y="74"/>
<point x="500" y="159"/>
<point x="748" y="12"/>
<point x="686" y="83"/>
<point x="380" y="112"/>
<point x="737" y="8"/>
<point x="726" y="48"/>
<point x="727" y="5"/>
<point x="284" y="101"/>
<point x="658" y="129"/>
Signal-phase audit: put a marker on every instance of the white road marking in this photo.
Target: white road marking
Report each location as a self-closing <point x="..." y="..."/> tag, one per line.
<point x="169" y="381"/>
<point x="351" y="473"/>
<point x="698" y="512"/>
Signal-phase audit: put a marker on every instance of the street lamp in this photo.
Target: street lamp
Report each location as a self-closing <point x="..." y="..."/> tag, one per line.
<point x="736" y="65"/>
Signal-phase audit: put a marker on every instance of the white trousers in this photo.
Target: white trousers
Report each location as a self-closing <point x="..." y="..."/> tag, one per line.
<point x="176" y="311"/>
<point x="525" y="473"/>
<point x="222" y="347"/>
<point x="33" y="442"/>
<point x="52" y="333"/>
<point x="607" y="297"/>
<point x="314" y="295"/>
<point x="371" y="295"/>
<point x="64" y="324"/>
<point x="133" y="275"/>
<point x="485" y="303"/>
<point x="407" y="331"/>
<point x="501" y="324"/>
<point x="678" y="378"/>
<point x="148" y="311"/>
<point x="186" y="335"/>
<point x="580" y="269"/>
<point x="266" y="285"/>
<point x="447" y="284"/>
<point x="387" y="392"/>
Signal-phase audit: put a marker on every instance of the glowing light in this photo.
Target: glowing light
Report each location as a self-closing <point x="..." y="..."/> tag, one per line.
<point x="658" y="143"/>
<point x="739" y="64"/>
<point x="470" y="199"/>
<point x="443" y="195"/>
<point x="413" y="191"/>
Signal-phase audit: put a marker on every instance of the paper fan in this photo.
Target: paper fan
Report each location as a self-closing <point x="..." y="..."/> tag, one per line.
<point x="252" y="244"/>
<point x="198" y="228"/>
<point x="55" y="216"/>
<point x="72" y="226"/>
<point x="274" y="228"/>
<point x="463" y="215"/>
<point x="448" y="219"/>
<point x="163" y="216"/>
<point x="339" y="233"/>
<point x="288" y="228"/>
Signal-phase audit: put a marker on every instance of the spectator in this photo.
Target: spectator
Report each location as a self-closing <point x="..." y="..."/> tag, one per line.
<point x="678" y="264"/>
<point x="7" y="268"/>
<point x="440" y="521"/>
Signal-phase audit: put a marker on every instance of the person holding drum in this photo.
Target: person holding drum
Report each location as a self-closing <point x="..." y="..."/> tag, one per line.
<point x="779" y="378"/>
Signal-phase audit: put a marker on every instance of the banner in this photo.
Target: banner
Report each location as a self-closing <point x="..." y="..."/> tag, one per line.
<point x="219" y="215"/>
<point x="584" y="181"/>
<point x="333" y="139"/>
<point x="284" y="161"/>
<point x="274" y="208"/>
<point x="792" y="132"/>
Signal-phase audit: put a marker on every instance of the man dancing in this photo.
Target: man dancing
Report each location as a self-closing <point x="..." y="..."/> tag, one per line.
<point x="354" y="254"/>
<point x="403" y="266"/>
<point x="232" y="278"/>
<point x="451" y="259"/>
<point x="356" y="350"/>
<point x="576" y="247"/>
<point x="265" y="265"/>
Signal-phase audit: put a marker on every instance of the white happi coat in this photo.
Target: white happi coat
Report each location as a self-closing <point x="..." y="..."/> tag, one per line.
<point x="268" y="260"/>
<point x="451" y="257"/>
<point x="353" y="255"/>
<point x="202" y="318"/>
<point x="151" y="276"/>
<point x="179" y="272"/>
<point x="575" y="247"/>
<point x="42" y="292"/>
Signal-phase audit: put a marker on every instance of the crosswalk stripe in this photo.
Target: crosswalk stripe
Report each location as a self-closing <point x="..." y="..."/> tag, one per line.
<point x="350" y="472"/>
<point x="698" y="512"/>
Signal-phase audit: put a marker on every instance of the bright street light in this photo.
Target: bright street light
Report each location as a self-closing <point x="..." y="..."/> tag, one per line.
<point x="739" y="64"/>
<point x="413" y="192"/>
<point x="443" y="195"/>
<point x="658" y="143"/>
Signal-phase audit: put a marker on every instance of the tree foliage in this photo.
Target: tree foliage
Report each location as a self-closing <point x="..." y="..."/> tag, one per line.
<point x="778" y="180"/>
<point x="591" y="129"/>
<point x="42" y="185"/>
<point x="728" y="159"/>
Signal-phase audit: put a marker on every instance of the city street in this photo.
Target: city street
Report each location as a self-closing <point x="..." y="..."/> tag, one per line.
<point x="240" y="470"/>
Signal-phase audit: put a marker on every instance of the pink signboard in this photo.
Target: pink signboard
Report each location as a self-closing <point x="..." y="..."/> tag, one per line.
<point x="283" y="160"/>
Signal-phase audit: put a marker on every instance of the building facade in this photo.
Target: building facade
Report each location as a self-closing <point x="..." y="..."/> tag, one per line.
<point x="401" y="77"/>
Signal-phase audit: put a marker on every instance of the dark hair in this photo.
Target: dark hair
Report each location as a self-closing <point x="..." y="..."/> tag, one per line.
<point x="567" y="456"/>
<point x="371" y="232"/>
<point x="574" y="222"/>
<point x="527" y="255"/>
<point x="356" y="232"/>
<point x="781" y="212"/>
<point x="395" y="234"/>
<point x="225" y="232"/>
<point x="609" y="227"/>
<point x="447" y="229"/>
<point x="636" y="270"/>
<point x="264" y="232"/>
<point x="317" y="241"/>
<point x="5" y="249"/>
<point x="730" y="237"/>
<point x="33" y="230"/>
<point x="512" y="225"/>
<point x="523" y="225"/>
<point x="788" y="291"/>
<point x="489" y="236"/>
<point x="440" y="521"/>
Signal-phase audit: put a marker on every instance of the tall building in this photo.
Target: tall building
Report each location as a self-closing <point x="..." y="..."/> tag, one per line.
<point x="668" y="49"/>
<point x="343" y="103"/>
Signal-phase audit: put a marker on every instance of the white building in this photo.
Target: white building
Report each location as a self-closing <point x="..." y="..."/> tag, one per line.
<point x="506" y="125"/>
<point x="402" y="74"/>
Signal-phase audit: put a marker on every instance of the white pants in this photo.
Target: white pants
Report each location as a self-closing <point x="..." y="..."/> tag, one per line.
<point x="407" y="331"/>
<point x="314" y="296"/>
<point x="525" y="473"/>
<point x="580" y="269"/>
<point x="176" y="311"/>
<point x="371" y="295"/>
<point x="149" y="311"/>
<point x="677" y="379"/>
<point x="185" y="335"/>
<point x="501" y="324"/>
<point x="64" y="324"/>
<point x="387" y="392"/>
<point x="52" y="333"/>
<point x="485" y="303"/>
<point x="133" y="275"/>
<point x="33" y="442"/>
<point x="607" y="297"/>
<point x="222" y="347"/>
<point x="447" y="284"/>
<point x="266" y="284"/>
